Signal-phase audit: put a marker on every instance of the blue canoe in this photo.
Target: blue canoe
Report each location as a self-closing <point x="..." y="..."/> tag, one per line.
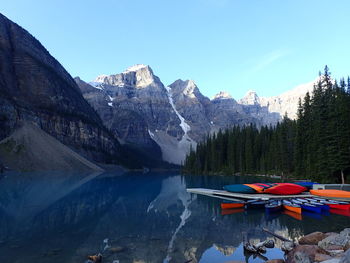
<point x="239" y="188"/>
<point x="308" y="207"/>
<point x="324" y="207"/>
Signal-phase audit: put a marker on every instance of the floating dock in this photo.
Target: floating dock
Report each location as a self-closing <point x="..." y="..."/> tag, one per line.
<point x="239" y="197"/>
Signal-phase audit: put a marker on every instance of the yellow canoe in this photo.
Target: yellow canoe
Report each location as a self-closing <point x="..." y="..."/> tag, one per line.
<point x="331" y="193"/>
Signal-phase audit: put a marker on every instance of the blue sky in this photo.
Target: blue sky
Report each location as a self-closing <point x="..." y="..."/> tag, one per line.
<point x="235" y="45"/>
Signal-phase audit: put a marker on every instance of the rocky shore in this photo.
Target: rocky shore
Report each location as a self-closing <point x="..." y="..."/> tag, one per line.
<point x="319" y="247"/>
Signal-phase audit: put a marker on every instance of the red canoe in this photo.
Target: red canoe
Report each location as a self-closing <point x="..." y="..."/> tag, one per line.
<point x="231" y="205"/>
<point x="285" y="189"/>
<point x="339" y="206"/>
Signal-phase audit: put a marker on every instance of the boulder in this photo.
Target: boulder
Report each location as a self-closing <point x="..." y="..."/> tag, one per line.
<point x="321" y="257"/>
<point x="335" y="241"/>
<point x="304" y="254"/>
<point x="346" y="257"/>
<point x="333" y="260"/>
<point x="312" y="239"/>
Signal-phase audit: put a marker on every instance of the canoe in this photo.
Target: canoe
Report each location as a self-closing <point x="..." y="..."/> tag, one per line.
<point x="239" y="188"/>
<point x="285" y="189"/>
<point x="291" y="207"/>
<point x="331" y="193"/>
<point x="295" y="215"/>
<point x="231" y="205"/>
<point x="273" y="207"/>
<point x="261" y="187"/>
<point x="256" y="204"/>
<point x="324" y="207"/>
<point x="339" y="206"/>
<point x="311" y="208"/>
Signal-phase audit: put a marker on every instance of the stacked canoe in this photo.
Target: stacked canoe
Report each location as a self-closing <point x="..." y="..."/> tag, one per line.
<point x="293" y="205"/>
<point x="305" y="204"/>
<point x="269" y="188"/>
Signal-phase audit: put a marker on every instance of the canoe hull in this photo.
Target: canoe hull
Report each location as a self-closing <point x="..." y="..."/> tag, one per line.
<point x="331" y="193"/>
<point x="292" y="209"/>
<point x="313" y="209"/>
<point x="231" y="205"/>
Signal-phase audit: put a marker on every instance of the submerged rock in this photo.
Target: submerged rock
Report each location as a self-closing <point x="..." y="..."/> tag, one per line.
<point x="95" y="258"/>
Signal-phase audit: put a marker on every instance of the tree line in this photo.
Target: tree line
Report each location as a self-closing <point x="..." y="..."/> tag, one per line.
<point x="315" y="146"/>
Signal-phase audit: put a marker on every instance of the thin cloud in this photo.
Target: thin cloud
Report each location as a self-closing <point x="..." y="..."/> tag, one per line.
<point x="270" y="58"/>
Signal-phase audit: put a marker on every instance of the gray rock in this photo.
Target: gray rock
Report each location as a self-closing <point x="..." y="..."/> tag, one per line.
<point x="333" y="260"/>
<point x="340" y="240"/>
<point x="346" y="257"/>
<point x="312" y="239"/>
<point x="304" y="254"/>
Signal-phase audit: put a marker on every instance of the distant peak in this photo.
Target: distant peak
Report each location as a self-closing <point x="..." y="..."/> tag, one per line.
<point x="251" y="93"/>
<point x="135" y="68"/>
<point x="222" y="95"/>
<point x="100" y="78"/>
<point x="250" y="98"/>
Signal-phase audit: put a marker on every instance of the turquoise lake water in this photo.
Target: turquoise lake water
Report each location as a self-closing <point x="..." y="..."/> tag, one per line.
<point x="55" y="217"/>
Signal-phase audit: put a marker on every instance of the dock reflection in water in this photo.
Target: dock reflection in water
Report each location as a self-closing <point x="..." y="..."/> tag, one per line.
<point x="53" y="217"/>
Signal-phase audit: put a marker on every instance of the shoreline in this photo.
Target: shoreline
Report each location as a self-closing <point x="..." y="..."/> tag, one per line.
<point x="329" y="247"/>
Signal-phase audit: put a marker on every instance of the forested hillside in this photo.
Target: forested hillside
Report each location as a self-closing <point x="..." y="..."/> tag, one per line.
<point x="315" y="146"/>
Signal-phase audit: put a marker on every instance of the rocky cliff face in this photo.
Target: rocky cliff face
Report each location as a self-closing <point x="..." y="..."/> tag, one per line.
<point x="138" y="108"/>
<point x="141" y="111"/>
<point x="286" y="103"/>
<point x="167" y="121"/>
<point x="35" y="87"/>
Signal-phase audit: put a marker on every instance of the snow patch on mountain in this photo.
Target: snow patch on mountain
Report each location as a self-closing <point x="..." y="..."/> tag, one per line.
<point x="134" y="68"/>
<point x="175" y="151"/>
<point x="185" y="127"/>
<point x="251" y="98"/>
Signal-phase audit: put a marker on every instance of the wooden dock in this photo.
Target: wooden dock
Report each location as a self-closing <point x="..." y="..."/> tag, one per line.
<point x="239" y="197"/>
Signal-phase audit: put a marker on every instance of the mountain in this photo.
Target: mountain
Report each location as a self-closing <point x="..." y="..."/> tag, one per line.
<point x="135" y="106"/>
<point x="29" y="148"/>
<point x="166" y="121"/>
<point x="286" y="103"/>
<point x="35" y="88"/>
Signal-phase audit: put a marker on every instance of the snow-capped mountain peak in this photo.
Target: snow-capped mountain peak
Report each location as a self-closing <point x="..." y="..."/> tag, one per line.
<point x="222" y="95"/>
<point x="135" y="68"/>
<point x="251" y="98"/>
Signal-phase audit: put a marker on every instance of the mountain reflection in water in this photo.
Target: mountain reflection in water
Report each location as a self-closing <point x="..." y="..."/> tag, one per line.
<point x="60" y="217"/>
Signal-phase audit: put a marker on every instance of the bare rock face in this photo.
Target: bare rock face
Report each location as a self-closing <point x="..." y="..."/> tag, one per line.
<point x="304" y="254"/>
<point x="334" y="242"/>
<point x="35" y="87"/>
<point x="193" y="106"/>
<point x="135" y="106"/>
<point x="312" y="239"/>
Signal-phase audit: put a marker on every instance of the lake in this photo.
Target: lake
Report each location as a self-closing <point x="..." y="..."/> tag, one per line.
<point x="134" y="217"/>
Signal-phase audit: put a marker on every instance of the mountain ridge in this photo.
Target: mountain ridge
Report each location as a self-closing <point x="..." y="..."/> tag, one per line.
<point x="187" y="116"/>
